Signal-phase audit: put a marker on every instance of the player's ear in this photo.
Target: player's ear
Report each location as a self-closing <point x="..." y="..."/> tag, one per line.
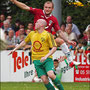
<point x="52" y="9"/>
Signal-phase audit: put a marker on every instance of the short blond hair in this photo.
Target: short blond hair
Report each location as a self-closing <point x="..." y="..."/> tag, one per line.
<point x="48" y="2"/>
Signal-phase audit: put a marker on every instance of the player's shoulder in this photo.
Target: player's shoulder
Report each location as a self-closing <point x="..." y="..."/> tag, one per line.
<point x="53" y="18"/>
<point x="48" y="33"/>
<point x="32" y="32"/>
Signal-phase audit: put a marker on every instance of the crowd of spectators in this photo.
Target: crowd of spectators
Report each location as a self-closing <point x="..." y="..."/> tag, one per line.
<point x="16" y="32"/>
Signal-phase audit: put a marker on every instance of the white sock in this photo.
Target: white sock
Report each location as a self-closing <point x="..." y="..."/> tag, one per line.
<point x="50" y="81"/>
<point x="66" y="51"/>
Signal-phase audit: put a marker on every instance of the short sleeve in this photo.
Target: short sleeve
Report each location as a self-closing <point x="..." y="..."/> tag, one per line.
<point x="56" y="25"/>
<point x="51" y="40"/>
<point x="28" y="37"/>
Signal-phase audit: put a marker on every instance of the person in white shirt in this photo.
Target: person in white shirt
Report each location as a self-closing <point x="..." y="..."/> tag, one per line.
<point x="69" y="34"/>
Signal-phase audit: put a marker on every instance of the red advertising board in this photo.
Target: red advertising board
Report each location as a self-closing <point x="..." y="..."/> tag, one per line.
<point x="83" y="72"/>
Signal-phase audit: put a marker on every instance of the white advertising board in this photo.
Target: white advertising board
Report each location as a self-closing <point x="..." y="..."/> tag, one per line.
<point x="17" y="68"/>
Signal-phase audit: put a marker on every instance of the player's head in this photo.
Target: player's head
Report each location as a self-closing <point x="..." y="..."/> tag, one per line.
<point x="48" y="7"/>
<point x="41" y="23"/>
<point x="56" y="63"/>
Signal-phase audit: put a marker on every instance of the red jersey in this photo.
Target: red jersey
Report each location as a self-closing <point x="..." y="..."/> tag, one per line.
<point x="51" y="20"/>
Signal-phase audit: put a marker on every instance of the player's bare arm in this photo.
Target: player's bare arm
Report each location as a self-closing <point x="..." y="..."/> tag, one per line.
<point x="20" y="5"/>
<point x="49" y="54"/>
<point x="23" y="43"/>
<point x="61" y="34"/>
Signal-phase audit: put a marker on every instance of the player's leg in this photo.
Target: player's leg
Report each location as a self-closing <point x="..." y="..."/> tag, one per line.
<point x="46" y="82"/>
<point x="49" y="67"/>
<point x="52" y="83"/>
<point x="66" y="51"/>
<point x="42" y="74"/>
<point x="55" y="80"/>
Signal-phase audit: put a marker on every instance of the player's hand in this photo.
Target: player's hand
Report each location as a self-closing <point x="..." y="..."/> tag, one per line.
<point x="43" y="59"/>
<point x="11" y="52"/>
<point x="72" y="43"/>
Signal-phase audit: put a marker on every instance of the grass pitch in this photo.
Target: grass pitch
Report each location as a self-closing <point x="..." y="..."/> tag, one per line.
<point x="40" y="86"/>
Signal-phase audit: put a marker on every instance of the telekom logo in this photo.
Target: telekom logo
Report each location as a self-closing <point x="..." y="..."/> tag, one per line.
<point x="19" y="61"/>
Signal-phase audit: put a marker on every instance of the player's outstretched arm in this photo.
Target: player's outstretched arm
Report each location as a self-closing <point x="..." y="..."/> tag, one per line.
<point x="23" y="43"/>
<point x="20" y="5"/>
<point x="50" y="53"/>
<point x="61" y="34"/>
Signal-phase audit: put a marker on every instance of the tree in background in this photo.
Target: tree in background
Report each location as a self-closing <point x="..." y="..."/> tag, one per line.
<point x="17" y="13"/>
<point x="80" y="14"/>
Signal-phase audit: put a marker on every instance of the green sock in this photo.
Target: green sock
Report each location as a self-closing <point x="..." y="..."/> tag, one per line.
<point x="76" y="67"/>
<point x="66" y="61"/>
<point x="58" y="84"/>
<point x="49" y="86"/>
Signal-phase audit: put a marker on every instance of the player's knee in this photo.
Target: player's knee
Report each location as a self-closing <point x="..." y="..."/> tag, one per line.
<point x="59" y="41"/>
<point x="51" y="75"/>
<point x="45" y="79"/>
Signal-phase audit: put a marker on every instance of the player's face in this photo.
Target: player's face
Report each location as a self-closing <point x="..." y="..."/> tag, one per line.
<point x="38" y="24"/>
<point x="48" y="8"/>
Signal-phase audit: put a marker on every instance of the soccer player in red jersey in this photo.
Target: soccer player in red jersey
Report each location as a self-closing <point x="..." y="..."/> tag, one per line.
<point x="51" y="23"/>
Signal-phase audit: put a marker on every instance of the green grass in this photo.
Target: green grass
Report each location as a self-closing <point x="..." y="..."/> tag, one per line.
<point x="40" y="86"/>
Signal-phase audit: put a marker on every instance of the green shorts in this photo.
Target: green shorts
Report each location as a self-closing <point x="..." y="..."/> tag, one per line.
<point x="43" y="67"/>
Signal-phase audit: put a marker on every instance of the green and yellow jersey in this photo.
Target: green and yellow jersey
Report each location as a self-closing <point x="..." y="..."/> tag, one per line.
<point x="41" y="43"/>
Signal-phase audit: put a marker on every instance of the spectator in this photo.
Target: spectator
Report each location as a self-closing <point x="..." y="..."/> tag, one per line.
<point x="20" y="38"/>
<point x="74" y="27"/>
<point x="6" y="25"/>
<point x="16" y="26"/>
<point x="22" y="25"/>
<point x="11" y="40"/>
<point x="85" y="37"/>
<point x="88" y="34"/>
<point x="84" y="47"/>
<point x="28" y="31"/>
<point x="2" y="18"/>
<point x="88" y="42"/>
<point x="9" y="18"/>
<point x="28" y="46"/>
<point x="21" y="35"/>
<point x="88" y="27"/>
<point x="63" y="26"/>
<point x="30" y="26"/>
<point x="21" y="31"/>
<point x="78" y="47"/>
<point x="69" y="34"/>
<point x="72" y="47"/>
<point x="6" y="34"/>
